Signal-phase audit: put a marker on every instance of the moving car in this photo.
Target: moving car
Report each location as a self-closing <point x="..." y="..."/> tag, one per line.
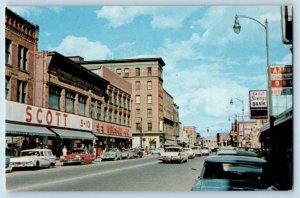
<point x="78" y="156"/>
<point x="34" y="158"/>
<point x="127" y="153"/>
<point x="197" y="150"/>
<point x="225" y="173"/>
<point x="174" y="154"/>
<point x="111" y="154"/>
<point x="190" y="152"/>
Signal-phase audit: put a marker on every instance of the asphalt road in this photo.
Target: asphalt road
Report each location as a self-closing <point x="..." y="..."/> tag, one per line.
<point x="147" y="174"/>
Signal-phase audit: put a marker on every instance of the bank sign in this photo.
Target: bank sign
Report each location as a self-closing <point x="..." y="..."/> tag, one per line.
<point x="258" y="102"/>
<point x="36" y="115"/>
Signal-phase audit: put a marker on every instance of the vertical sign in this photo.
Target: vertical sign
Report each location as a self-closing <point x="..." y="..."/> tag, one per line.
<point x="281" y="79"/>
<point x="258" y="102"/>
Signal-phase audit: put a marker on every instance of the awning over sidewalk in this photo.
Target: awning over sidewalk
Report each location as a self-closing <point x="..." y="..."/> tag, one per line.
<point x="22" y="129"/>
<point x="71" y="134"/>
<point x="113" y="136"/>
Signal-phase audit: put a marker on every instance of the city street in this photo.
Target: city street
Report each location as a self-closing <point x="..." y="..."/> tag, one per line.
<point x="145" y="174"/>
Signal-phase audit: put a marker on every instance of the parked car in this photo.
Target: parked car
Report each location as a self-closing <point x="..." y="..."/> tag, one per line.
<point x="78" y="156"/>
<point x="8" y="167"/>
<point x="174" y="154"/>
<point x="205" y="151"/>
<point x="197" y="150"/>
<point x="128" y="154"/>
<point x="190" y="152"/>
<point x="111" y="154"/>
<point x="236" y="152"/>
<point x="232" y="173"/>
<point x="34" y="158"/>
<point x="156" y="151"/>
<point x="138" y="152"/>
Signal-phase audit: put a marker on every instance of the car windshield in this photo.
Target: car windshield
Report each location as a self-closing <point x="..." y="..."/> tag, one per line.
<point x="233" y="171"/>
<point x="30" y="153"/>
<point x="172" y="149"/>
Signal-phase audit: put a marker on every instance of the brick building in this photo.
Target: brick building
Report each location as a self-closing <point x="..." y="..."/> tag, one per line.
<point x="145" y="75"/>
<point x="190" y="134"/>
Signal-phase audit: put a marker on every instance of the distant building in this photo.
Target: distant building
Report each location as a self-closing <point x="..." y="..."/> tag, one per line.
<point x="190" y="134"/>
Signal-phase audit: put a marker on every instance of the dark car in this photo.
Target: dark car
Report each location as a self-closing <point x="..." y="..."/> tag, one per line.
<point x="236" y="152"/>
<point x="230" y="173"/>
<point x="138" y="152"/>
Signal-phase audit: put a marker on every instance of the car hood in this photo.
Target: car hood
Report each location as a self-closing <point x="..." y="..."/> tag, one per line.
<point x="22" y="159"/>
<point x="225" y="185"/>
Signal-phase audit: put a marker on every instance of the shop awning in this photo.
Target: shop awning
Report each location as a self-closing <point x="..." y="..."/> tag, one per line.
<point x="71" y="134"/>
<point x="114" y="136"/>
<point x="22" y="129"/>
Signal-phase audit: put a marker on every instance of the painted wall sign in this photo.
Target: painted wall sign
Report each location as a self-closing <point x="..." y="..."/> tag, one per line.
<point x="36" y="115"/>
<point x="110" y="129"/>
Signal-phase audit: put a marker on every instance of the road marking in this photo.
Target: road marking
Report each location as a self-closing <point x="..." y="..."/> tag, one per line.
<point x="27" y="188"/>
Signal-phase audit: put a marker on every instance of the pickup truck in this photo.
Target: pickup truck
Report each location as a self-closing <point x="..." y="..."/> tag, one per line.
<point x="174" y="154"/>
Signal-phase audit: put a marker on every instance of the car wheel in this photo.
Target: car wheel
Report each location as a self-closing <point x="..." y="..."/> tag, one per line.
<point x="116" y="158"/>
<point x="51" y="165"/>
<point x="82" y="162"/>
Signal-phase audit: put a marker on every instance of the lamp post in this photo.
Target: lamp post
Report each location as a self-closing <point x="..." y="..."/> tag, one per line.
<point x="238" y="127"/>
<point x="237" y="29"/>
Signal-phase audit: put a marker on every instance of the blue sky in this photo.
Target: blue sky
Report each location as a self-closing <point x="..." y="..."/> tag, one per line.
<point x="206" y="62"/>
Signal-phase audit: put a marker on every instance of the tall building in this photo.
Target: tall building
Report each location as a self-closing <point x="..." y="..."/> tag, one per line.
<point x="190" y="134"/>
<point x="145" y="75"/>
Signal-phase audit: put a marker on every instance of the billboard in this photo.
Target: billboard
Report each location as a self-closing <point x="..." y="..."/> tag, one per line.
<point x="258" y="103"/>
<point x="281" y="80"/>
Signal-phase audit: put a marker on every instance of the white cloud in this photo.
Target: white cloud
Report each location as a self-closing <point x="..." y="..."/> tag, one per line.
<point x="81" y="46"/>
<point x="162" y="17"/>
<point x="124" y="45"/>
<point x="256" y="60"/>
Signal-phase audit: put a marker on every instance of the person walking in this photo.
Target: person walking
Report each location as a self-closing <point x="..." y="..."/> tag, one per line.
<point x="64" y="151"/>
<point x="99" y="152"/>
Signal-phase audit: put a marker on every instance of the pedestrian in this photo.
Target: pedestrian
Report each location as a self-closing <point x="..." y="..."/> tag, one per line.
<point x="64" y="151"/>
<point x="99" y="151"/>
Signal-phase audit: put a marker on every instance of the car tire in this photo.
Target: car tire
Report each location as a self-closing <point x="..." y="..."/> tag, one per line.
<point x="116" y="158"/>
<point x="51" y="165"/>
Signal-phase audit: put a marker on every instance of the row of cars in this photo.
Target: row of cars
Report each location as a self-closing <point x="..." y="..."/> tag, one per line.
<point x="233" y="170"/>
<point x="38" y="158"/>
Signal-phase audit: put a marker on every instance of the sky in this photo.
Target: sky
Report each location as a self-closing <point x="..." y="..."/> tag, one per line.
<point x="207" y="64"/>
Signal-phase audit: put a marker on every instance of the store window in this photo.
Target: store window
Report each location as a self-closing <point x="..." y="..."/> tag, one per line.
<point x="23" y="58"/>
<point x="138" y="113"/>
<point x="54" y="98"/>
<point x="149" y="99"/>
<point x="138" y="99"/>
<point x="22" y="91"/>
<point x="137" y="72"/>
<point x="149" y="85"/>
<point x="137" y="85"/>
<point x="70" y="100"/>
<point x="7" y="87"/>
<point x="8" y="45"/>
<point x="81" y="105"/>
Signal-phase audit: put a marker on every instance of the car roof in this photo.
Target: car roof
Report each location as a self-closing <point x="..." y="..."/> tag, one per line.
<point x="238" y="152"/>
<point x="234" y="159"/>
<point x="36" y="150"/>
<point x="173" y="147"/>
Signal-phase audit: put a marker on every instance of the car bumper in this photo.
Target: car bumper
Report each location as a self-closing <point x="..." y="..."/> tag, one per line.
<point x="170" y="159"/>
<point x="22" y="164"/>
<point x="70" y="161"/>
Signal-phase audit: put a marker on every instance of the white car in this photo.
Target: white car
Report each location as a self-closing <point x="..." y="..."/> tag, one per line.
<point x="205" y="151"/>
<point x="197" y="150"/>
<point x="190" y="152"/>
<point x="174" y="154"/>
<point x="34" y="158"/>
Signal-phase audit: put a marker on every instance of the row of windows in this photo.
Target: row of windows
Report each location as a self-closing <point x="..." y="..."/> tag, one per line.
<point x="138" y="85"/>
<point x="137" y="71"/>
<point x="22" y="55"/>
<point x="138" y="113"/>
<point x="138" y="126"/>
<point x="138" y="99"/>
<point x="119" y="100"/>
<point x="96" y="107"/>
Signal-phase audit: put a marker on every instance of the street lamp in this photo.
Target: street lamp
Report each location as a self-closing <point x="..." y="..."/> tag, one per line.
<point x="237" y="29"/>
<point x="238" y="129"/>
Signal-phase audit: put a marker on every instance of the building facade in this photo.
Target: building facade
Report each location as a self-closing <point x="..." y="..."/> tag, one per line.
<point x="190" y="134"/>
<point x="145" y="76"/>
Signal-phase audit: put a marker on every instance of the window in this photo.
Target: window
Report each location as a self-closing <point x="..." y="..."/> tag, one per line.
<point x="22" y="58"/>
<point x="119" y="71"/>
<point x="110" y="97"/>
<point x="54" y="98"/>
<point x="115" y="99"/>
<point x="137" y="72"/>
<point x="115" y="117"/>
<point x="120" y="118"/>
<point x="124" y="103"/>
<point x="110" y="116"/>
<point x="138" y="126"/>
<point x="70" y="100"/>
<point x="149" y="71"/>
<point x="7" y="87"/>
<point x="149" y="85"/>
<point x="120" y="101"/>
<point x="149" y="99"/>
<point x="99" y="109"/>
<point x="81" y="105"/>
<point x="138" y="99"/>
<point x="129" y="121"/>
<point x="8" y="51"/>
<point x="138" y="113"/>
<point x="124" y="120"/>
<point x="126" y="71"/>
<point x="92" y="109"/>
<point x="137" y="85"/>
<point x="149" y="113"/>
<point x="22" y="92"/>
<point x="149" y="126"/>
